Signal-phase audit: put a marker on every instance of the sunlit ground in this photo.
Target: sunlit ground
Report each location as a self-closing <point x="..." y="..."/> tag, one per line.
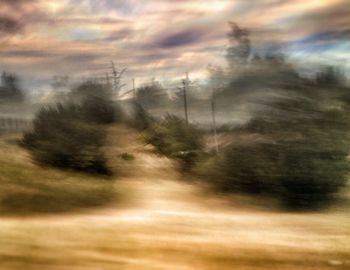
<point x="169" y="224"/>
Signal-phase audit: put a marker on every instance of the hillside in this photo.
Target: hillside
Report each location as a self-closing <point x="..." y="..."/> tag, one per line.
<point x="168" y="223"/>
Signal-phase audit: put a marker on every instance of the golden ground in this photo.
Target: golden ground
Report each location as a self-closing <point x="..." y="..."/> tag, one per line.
<point x="172" y="224"/>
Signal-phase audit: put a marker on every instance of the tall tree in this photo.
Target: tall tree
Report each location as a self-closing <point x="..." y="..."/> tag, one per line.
<point x="239" y="50"/>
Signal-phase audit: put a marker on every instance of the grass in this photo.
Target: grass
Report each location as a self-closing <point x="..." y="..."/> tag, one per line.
<point x="27" y="188"/>
<point x="170" y="225"/>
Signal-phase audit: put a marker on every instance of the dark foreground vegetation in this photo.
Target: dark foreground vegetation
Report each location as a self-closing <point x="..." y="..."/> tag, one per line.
<point x="72" y="134"/>
<point x="30" y="189"/>
<point x="176" y="139"/>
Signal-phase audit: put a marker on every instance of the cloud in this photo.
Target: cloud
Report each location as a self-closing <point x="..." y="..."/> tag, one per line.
<point x="9" y="25"/>
<point x="120" y="34"/>
<point x="17" y="15"/>
<point x="159" y="36"/>
<point x="327" y="37"/>
<point x="22" y="53"/>
<point x="183" y="38"/>
<point x="82" y="57"/>
<point x="326" y="18"/>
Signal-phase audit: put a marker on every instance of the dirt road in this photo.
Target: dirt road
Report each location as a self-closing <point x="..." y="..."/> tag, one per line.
<point x="170" y="224"/>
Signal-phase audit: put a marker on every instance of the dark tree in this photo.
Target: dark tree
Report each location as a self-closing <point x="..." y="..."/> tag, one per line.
<point x="62" y="137"/>
<point x="152" y="96"/>
<point x="9" y="88"/>
<point x="239" y="49"/>
<point x="96" y="101"/>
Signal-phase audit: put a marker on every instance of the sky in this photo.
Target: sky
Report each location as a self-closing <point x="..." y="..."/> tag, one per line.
<point x="161" y="39"/>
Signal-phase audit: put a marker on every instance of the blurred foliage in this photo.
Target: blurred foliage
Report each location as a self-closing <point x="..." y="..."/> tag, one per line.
<point x="70" y="134"/>
<point x="299" y="153"/>
<point x="127" y="156"/>
<point x="240" y="46"/>
<point x="29" y="189"/>
<point x="330" y="76"/>
<point x="175" y="139"/>
<point x="96" y="102"/>
<point x="140" y="119"/>
<point x="152" y="96"/>
<point x="61" y="137"/>
<point x="296" y="144"/>
<point x="9" y="88"/>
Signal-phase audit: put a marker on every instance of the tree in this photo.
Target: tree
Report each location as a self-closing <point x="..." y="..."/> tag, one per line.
<point x="239" y="50"/>
<point x="301" y="152"/>
<point x="330" y="76"/>
<point x="72" y="134"/>
<point x="9" y="88"/>
<point x="62" y="137"/>
<point x="96" y="101"/>
<point x="152" y="96"/>
<point x="176" y="139"/>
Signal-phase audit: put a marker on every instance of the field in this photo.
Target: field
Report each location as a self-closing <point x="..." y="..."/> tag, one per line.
<point x="168" y="222"/>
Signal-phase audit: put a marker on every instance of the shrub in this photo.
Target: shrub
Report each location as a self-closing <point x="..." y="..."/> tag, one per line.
<point x="96" y="103"/>
<point x="152" y="96"/>
<point x="173" y="138"/>
<point x="299" y="173"/>
<point x="140" y="119"/>
<point x="249" y="168"/>
<point x="312" y="172"/>
<point x="127" y="156"/>
<point x="300" y="155"/>
<point x="62" y="138"/>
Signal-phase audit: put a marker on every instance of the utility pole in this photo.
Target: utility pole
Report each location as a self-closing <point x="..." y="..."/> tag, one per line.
<point x="107" y="79"/>
<point x="213" y="112"/>
<point x="185" y="83"/>
<point x="115" y="73"/>
<point x="133" y="88"/>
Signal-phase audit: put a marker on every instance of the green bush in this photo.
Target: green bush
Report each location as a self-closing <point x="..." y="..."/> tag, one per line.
<point x="127" y="156"/>
<point x="96" y="103"/>
<point x="300" y="173"/>
<point x="312" y="172"/>
<point x="298" y="154"/>
<point x="252" y="168"/>
<point x="61" y="137"/>
<point x="175" y="139"/>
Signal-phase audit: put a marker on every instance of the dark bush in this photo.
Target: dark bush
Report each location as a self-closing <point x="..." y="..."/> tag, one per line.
<point x="152" y="96"/>
<point x="140" y="118"/>
<point x="175" y="139"/>
<point x="312" y="172"/>
<point x="96" y="103"/>
<point x="127" y="156"/>
<point x="298" y="154"/>
<point x="61" y="137"/>
<point x="300" y="173"/>
<point x="252" y="168"/>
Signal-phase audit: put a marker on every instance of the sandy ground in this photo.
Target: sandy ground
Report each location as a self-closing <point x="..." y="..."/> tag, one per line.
<point x="171" y="224"/>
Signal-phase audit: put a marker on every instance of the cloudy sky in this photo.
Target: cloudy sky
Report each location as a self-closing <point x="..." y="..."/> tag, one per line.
<point x="161" y="38"/>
